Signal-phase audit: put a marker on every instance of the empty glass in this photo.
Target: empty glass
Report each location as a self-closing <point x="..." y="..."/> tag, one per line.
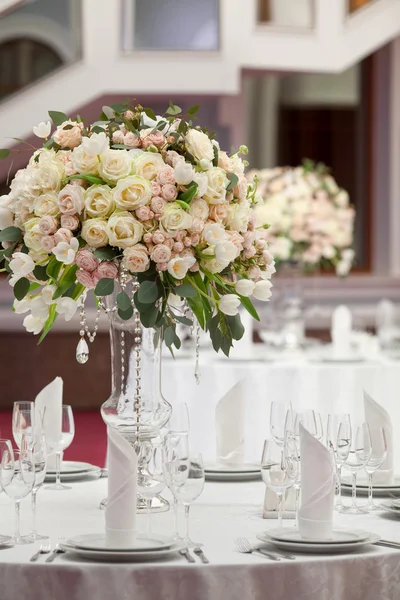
<point x="332" y="430"/>
<point x="376" y="460"/>
<point x="23" y="420"/>
<point x="176" y="447"/>
<point x="312" y="421"/>
<point x="188" y="483"/>
<point x="358" y="455"/>
<point x="36" y="443"/>
<point x="179" y="421"/>
<point x="17" y="479"/>
<point x="279" y="469"/>
<point x="279" y="421"/>
<point x="58" y="442"/>
<point x="150" y="474"/>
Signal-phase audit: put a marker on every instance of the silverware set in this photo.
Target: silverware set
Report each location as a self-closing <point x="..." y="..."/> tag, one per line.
<point x="198" y="552"/>
<point x="45" y="548"/>
<point x="245" y="547"/>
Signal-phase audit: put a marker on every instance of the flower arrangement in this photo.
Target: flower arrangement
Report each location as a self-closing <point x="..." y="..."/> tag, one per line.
<point x="153" y="196"/>
<point x="311" y="220"/>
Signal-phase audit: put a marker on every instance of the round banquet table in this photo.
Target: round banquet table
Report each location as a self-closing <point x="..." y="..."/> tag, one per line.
<point x="326" y="387"/>
<point x="224" y="512"/>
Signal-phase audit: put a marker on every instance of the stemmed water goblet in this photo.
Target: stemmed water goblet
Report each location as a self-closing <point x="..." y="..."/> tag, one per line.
<point x="23" y="420"/>
<point x="311" y="420"/>
<point x="36" y="443"/>
<point x="358" y="449"/>
<point x="376" y="460"/>
<point x="150" y="474"/>
<point x="332" y="430"/>
<point x="280" y="418"/>
<point x="57" y="442"/>
<point x="188" y="479"/>
<point x="5" y="446"/>
<point x="17" y="478"/>
<point x="176" y="447"/>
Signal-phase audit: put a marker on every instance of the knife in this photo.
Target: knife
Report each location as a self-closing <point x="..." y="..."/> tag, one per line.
<point x="201" y="555"/>
<point x="185" y="552"/>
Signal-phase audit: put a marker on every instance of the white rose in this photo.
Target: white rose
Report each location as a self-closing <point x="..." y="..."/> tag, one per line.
<point x="213" y="233"/>
<point x="174" y="219"/>
<point x="244" y="287"/>
<point x="21" y="265"/>
<point x="205" y="165"/>
<point x="226" y="252"/>
<point x="136" y="258"/>
<point x="202" y="183"/>
<point x="217" y="184"/>
<point x="124" y="230"/>
<point x="96" y="144"/>
<point x="262" y="290"/>
<point x="46" y="204"/>
<point x="42" y="130"/>
<point x="229" y="304"/>
<point x="83" y="162"/>
<point x="199" y="145"/>
<point x="147" y="164"/>
<point x="178" y="267"/>
<point x="199" y="209"/>
<point x="115" y="165"/>
<point x="99" y="201"/>
<point x="65" y="252"/>
<point x="183" y="172"/>
<point x="236" y="165"/>
<point x="33" y="235"/>
<point x="47" y="177"/>
<point x="239" y="216"/>
<point x="94" y="232"/>
<point x="132" y="192"/>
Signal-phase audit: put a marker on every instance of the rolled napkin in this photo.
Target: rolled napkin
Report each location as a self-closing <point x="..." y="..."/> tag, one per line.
<point x="317" y="488"/>
<point x="377" y="417"/>
<point x="229" y="426"/>
<point x="48" y="414"/>
<point x="270" y="510"/>
<point x="120" y="512"/>
<point x="341" y="331"/>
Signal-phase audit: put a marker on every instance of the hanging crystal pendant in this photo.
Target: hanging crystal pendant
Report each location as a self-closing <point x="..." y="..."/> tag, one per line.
<point x="82" y="351"/>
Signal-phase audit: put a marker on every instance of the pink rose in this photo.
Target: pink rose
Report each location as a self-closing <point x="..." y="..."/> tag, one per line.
<point x="118" y="137"/>
<point x="236" y="239"/>
<point x="128" y="114"/>
<point x="157" y="204"/>
<point x="219" y="212"/>
<point x="158" y="237"/>
<point x="156" y="188"/>
<point x="85" y="260"/>
<point x="68" y="138"/>
<point x="136" y="258"/>
<point x="195" y="239"/>
<point x="187" y="242"/>
<point x="249" y="252"/>
<point x="47" y="242"/>
<point x="173" y="157"/>
<point x="180" y="235"/>
<point x="178" y="247"/>
<point x="197" y="226"/>
<point x="169" y="192"/>
<point x="152" y="139"/>
<point x="62" y="235"/>
<point x="106" y="269"/>
<point x="70" y="222"/>
<point x="71" y="200"/>
<point x="132" y="140"/>
<point x="147" y="238"/>
<point x="161" y="254"/>
<point x="47" y="225"/>
<point x="166" y="175"/>
<point x="65" y="158"/>
<point x="248" y="238"/>
<point x="169" y="242"/>
<point x="143" y="213"/>
<point x="87" y="279"/>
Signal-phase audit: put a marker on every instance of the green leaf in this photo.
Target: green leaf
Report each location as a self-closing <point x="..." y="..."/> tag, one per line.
<point x="185" y="291"/>
<point x="121" y="147"/>
<point x="126" y="314"/>
<point x="248" y="305"/>
<point x="34" y="286"/>
<point x="123" y="302"/>
<point x="67" y="279"/>
<point x="174" y="110"/>
<point x="193" y="110"/>
<point x="215" y="159"/>
<point x="57" y="117"/>
<point x="183" y="320"/>
<point x="197" y="308"/>
<point x="10" y="234"/>
<point x="68" y="127"/>
<point x="236" y="327"/>
<point x="150" y="317"/>
<point x="21" y="288"/>
<point x="169" y="336"/>
<point x="109" y="112"/>
<point x="183" y="127"/>
<point x="189" y="194"/>
<point x="150" y="113"/>
<point x="53" y="268"/>
<point x="40" y="273"/>
<point x="10" y="250"/>
<point x="91" y="178"/>
<point x="119" y="108"/>
<point x="233" y="180"/>
<point x="106" y="253"/>
<point x="215" y="333"/>
<point x="183" y="204"/>
<point x="97" y="129"/>
<point x="4" y="152"/>
<point x="148" y="292"/>
<point x="226" y="345"/>
<point x="49" y="323"/>
<point x="105" y="287"/>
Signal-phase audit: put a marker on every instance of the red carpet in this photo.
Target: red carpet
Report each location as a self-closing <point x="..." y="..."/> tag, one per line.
<point x="89" y="443"/>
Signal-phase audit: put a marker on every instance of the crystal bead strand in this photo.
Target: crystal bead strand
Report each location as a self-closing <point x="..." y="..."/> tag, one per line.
<point x="137" y="349"/>
<point x="82" y="349"/>
<point x="197" y="338"/>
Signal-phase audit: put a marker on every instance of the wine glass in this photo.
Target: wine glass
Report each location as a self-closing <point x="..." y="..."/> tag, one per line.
<point x="58" y="442"/>
<point x="376" y="460"/>
<point x="332" y="430"/>
<point x="150" y="474"/>
<point x="5" y="446"/>
<point x="279" y="419"/>
<point x="312" y="421"/>
<point x="17" y="479"/>
<point x="36" y="443"/>
<point x="188" y="483"/>
<point x="179" y="421"/>
<point x="176" y="446"/>
<point x="357" y="458"/>
<point x="279" y="469"/>
<point x="23" y="420"/>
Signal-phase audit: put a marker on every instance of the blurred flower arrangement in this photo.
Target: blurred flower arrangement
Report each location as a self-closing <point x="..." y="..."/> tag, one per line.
<point x="153" y="196"/>
<point x="310" y="217"/>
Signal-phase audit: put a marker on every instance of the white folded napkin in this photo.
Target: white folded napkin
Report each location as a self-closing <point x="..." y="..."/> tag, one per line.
<point x="341" y="327"/>
<point x="48" y="414"/>
<point x="229" y="426"/>
<point x="120" y="512"/>
<point x="270" y="509"/>
<point x="377" y="417"/>
<point x="317" y="488"/>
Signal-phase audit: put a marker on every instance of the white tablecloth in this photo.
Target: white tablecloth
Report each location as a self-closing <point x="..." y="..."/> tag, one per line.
<point x="224" y="512"/>
<point x="325" y="387"/>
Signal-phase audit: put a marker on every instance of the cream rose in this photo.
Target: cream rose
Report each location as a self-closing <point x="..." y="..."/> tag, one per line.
<point x="199" y="209"/>
<point x="99" y="201"/>
<point x="199" y="145"/>
<point x="217" y="184"/>
<point x="47" y="177"/>
<point x="148" y="164"/>
<point x="174" y="219"/>
<point x="46" y="204"/>
<point x="132" y="192"/>
<point x="239" y="215"/>
<point x="115" y="165"/>
<point x="124" y="230"/>
<point x="68" y="138"/>
<point x="83" y="162"/>
<point x="65" y="158"/>
<point x="136" y="258"/>
<point x="71" y="200"/>
<point x="94" y="232"/>
<point x="33" y="235"/>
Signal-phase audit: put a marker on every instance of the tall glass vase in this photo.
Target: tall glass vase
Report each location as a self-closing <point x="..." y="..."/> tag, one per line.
<point x="136" y="407"/>
<point x="292" y="307"/>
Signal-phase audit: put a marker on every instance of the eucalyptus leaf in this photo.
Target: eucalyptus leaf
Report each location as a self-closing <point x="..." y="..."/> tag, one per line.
<point x="105" y="287"/>
<point x="150" y="317"/>
<point x="10" y="234"/>
<point x="40" y="273"/>
<point x="150" y="113"/>
<point x="119" y="108"/>
<point x="183" y="320"/>
<point x="236" y="327"/>
<point x="148" y="292"/>
<point x="233" y="180"/>
<point x="215" y="159"/>
<point x="124" y="302"/>
<point x="57" y="117"/>
<point x="21" y="288"/>
<point x="4" y="152"/>
<point x="169" y="336"/>
<point x="126" y="314"/>
<point x="109" y="112"/>
<point x="193" y="110"/>
<point x="106" y="253"/>
<point x="186" y="290"/>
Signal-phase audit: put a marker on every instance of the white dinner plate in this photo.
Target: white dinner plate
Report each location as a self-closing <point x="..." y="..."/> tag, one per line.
<point x="319" y="548"/>
<point x="363" y="484"/>
<point x="245" y="468"/>
<point x="143" y="543"/>
<point x="391" y="506"/>
<point x="232" y="476"/>
<point x="339" y="536"/>
<point x="70" y="466"/>
<point x="123" y="555"/>
<point x="326" y="358"/>
<point x="51" y="477"/>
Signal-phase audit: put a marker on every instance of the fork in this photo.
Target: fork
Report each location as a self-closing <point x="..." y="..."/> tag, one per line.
<point x="57" y="550"/>
<point x="244" y="546"/>
<point x="44" y="549"/>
